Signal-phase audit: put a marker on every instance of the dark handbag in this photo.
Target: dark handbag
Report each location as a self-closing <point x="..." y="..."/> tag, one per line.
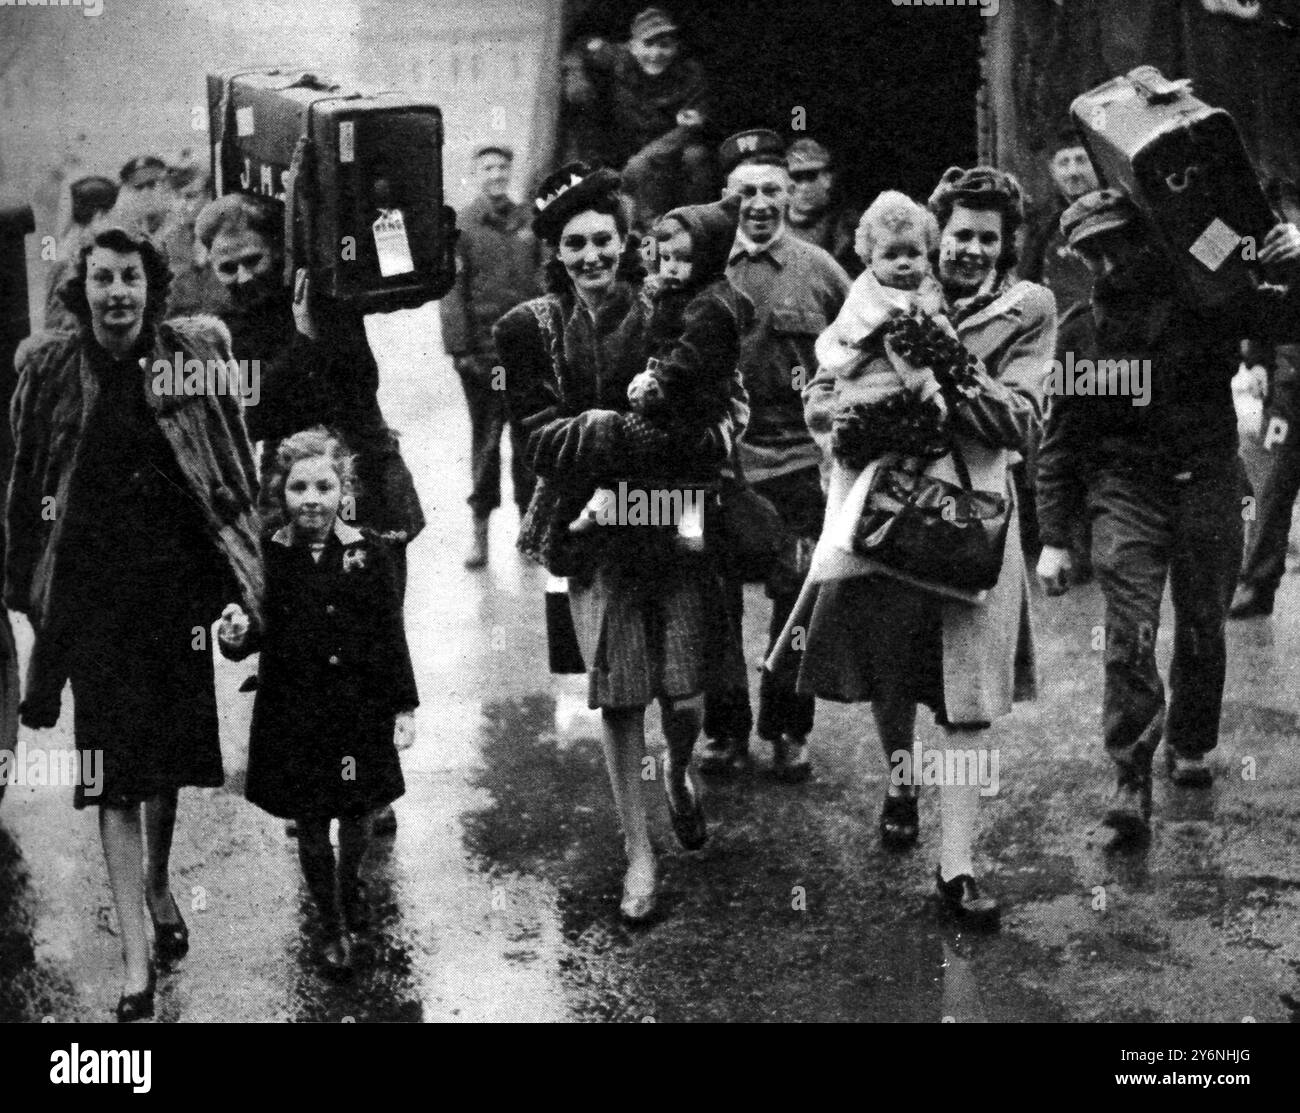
<point x="932" y="530"/>
<point x="563" y="652"/>
<point x="747" y="533"/>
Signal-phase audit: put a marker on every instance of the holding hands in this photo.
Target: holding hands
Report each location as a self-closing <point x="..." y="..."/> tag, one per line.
<point x="233" y="631"/>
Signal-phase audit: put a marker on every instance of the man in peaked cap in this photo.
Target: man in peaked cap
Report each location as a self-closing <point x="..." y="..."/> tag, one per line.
<point x="1141" y="440"/>
<point x="797" y="290"/>
<point x="757" y="145"/>
<point x="814" y="214"/>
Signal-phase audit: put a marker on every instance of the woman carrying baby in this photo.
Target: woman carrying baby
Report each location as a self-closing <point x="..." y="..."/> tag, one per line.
<point x="897" y="380"/>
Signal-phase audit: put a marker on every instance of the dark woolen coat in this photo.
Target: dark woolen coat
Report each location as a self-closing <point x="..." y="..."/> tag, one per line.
<point x="334" y="672"/>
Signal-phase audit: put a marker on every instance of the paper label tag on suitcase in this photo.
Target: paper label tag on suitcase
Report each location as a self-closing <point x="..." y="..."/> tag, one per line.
<point x="1215" y="244"/>
<point x="392" y="245"/>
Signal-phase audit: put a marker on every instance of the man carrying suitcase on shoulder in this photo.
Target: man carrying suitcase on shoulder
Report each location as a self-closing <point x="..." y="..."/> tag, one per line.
<point x="1148" y="453"/>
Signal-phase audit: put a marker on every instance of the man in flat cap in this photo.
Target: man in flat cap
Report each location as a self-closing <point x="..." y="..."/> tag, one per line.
<point x="797" y="290"/>
<point x="646" y="106"/>
<point x="1141" y="439"/>
<point x="814" y="213"/>
<point x="498" y="265"/>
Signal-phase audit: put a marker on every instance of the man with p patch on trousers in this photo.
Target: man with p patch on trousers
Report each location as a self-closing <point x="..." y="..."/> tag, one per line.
<point x="1160" y="485"/>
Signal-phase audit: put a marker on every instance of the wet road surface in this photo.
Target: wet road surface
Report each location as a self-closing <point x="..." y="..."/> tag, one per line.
<point x="497" y="898"/>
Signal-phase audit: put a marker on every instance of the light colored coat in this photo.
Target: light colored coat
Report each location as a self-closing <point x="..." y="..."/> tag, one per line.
<point x="988" y="650"/>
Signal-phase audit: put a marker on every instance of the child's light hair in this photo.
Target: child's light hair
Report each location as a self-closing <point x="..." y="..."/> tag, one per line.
<point x="892" y="213"/>
<point x="310" y="444"/>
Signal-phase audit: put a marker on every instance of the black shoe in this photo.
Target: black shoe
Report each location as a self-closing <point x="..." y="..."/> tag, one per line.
<point x="356" y="906"/>
<point x="960" y="899"/>
<point x="790" y="763"/>
<point x="689" y="824"/>
<point x="137" y="1006"/>
<point x="1187" y="772"/>
<point x="900" y="824"/>
<point x="1250" y="602"/>
<point x="1129" y="810"/>
<point x="723" y="757"/>
<point x="384" y="823"/>
<point x="171" y="942"/>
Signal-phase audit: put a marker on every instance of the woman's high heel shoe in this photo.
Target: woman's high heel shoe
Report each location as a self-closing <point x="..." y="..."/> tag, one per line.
<point x="137" y="1006"/>
<point x="960" y="900"/>
<point x="171" y="941"/>
<point x="900" y="824"/>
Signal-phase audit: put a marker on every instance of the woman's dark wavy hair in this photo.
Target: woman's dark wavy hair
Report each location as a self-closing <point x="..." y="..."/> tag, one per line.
<point x="157" y="273"/>
<point x="985" y="189"/>
<point x="630" y="267"/>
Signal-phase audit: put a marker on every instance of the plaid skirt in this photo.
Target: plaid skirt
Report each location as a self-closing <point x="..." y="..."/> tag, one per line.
<point x="662" y="635"/>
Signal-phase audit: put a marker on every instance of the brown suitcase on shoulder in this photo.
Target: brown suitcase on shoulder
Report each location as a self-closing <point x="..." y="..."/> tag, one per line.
<point x="1185" y="166"/>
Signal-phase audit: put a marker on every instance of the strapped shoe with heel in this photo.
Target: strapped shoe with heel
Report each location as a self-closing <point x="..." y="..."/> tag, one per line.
<point x="960" y="900"/>
<point x="171" y="940"/>
<point x="138" y="1006"/>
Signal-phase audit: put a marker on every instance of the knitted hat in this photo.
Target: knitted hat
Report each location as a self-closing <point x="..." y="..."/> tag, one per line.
<point x="566" y="192"/>
<point x="712" y="229"/>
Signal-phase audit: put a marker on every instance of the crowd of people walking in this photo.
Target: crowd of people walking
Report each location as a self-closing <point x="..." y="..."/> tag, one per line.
<point x="675" y="318"/>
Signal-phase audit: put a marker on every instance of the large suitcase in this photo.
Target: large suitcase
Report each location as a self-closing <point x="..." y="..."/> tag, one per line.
<point x="359" y="176"/>
<point x="1185" y="166"/>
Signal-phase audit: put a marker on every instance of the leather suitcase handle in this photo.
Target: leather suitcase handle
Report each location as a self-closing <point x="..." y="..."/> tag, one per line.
<point x="1155" y="87"/>
<point x="1179" y="180"/>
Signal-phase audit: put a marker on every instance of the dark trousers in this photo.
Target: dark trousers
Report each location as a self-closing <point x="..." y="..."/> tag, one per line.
<point x="1146" y="529"/>
<point x="1265" y="561"/>
<point x="487" y="421"/>
<point x="727" y="714"/>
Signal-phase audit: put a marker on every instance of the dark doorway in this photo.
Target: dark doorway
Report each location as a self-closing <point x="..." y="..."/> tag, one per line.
<point x="891" y="90"/>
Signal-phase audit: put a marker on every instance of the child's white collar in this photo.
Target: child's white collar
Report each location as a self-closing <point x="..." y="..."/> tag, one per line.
<point x="347" y="535"/>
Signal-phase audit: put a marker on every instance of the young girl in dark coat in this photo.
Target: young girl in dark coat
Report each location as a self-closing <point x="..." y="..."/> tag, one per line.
<point x="335" y="676"/>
